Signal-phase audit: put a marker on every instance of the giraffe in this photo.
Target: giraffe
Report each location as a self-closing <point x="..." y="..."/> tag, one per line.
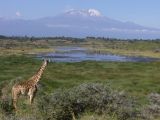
<point x="28" y="87"/>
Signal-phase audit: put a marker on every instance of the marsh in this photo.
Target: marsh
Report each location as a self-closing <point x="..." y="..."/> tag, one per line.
<point x="79" y="54"/>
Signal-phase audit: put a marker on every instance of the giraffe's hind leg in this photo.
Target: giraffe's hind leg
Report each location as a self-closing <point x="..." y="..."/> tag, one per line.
<point x="14" y="102"/>
<point x="14" y="98"/>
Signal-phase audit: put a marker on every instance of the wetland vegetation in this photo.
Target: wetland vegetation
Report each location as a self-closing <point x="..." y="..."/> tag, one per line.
<point x="31" y="45"/>
<point x="86" y="90"/>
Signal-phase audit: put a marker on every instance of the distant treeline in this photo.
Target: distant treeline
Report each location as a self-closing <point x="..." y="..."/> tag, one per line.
<point x="39" y="38"/>
<point x="70" y="38"/>
<point x="118" y="39"/>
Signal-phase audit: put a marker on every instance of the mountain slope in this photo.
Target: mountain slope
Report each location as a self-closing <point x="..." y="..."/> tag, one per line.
<point x="77" y="23"/>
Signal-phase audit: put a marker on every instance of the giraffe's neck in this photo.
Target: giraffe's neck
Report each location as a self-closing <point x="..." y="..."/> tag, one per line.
<point x="38" y="75"/>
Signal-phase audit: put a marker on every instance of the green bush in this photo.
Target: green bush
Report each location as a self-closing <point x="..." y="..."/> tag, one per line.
<point x="152" y="111"/>
<point x="71" y="104"/>
<point x="66" y="105"/>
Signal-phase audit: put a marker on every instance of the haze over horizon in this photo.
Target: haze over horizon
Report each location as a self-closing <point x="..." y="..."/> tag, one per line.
<point x="79" y="18"/>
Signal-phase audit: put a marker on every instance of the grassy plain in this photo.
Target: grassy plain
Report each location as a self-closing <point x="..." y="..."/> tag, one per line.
<point x="137" y="79"/>
<point x="120" y="47"/>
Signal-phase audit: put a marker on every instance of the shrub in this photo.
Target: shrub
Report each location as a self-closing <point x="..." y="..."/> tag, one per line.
<point x="86" y="97"/>
<point x="152" y="110"/>
<point x="70" y="104"/>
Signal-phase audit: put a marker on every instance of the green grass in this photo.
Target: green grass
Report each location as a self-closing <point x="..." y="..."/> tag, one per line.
<point x="97" y="117"/>
<point x="120" y="47"/>
<point x="137" y="79"/>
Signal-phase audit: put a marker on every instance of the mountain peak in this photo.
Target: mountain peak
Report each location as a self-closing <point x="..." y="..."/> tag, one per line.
<point x="93" y="12"/>
<point x="89" y="12"/>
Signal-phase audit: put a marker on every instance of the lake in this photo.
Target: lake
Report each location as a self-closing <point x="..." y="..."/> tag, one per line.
<point x="78" y="54"/>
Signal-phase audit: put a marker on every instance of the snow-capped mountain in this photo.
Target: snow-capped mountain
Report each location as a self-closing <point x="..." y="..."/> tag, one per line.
<point x="77" y="23"/>
<point x="89" y="12"/>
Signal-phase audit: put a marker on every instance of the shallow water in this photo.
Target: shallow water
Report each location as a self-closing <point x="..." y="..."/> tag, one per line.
<point x="78" y="54"/>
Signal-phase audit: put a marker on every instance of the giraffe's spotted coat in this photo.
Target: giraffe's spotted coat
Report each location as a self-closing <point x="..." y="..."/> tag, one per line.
<point x="28" y="87"/>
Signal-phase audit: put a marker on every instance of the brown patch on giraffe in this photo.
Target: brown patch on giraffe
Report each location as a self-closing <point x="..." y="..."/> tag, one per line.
<point x="28" y="87"/>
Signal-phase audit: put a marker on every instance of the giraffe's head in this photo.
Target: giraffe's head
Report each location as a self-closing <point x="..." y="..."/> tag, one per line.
<point x="46" y="61"/>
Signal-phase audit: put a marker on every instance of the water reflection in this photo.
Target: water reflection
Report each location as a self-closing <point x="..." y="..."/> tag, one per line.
<point x="78" y="54"/>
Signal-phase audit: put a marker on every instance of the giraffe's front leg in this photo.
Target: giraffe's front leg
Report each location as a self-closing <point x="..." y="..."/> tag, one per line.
<point x="30" y="99"/>
<point x="31" y="94"/>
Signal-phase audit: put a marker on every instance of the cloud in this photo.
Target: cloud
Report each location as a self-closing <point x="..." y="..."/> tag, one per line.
<point x="18" y="14"/>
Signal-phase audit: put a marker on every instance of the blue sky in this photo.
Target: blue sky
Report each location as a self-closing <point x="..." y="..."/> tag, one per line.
<point x="144" y="12"/>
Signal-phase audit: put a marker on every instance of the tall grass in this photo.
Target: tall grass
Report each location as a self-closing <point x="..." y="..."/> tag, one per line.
<point x="78" y="94"/>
